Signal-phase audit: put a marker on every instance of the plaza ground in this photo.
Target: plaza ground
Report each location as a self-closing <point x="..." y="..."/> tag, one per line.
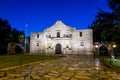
<point x="71" y="67"/>
<point x="7" y="61"/>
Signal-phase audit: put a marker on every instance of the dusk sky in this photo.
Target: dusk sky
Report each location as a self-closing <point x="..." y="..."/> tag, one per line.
<point x="41" y="14"/>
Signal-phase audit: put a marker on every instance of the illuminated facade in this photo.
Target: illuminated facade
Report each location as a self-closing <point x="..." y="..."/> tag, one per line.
<point x="61" y="39"/>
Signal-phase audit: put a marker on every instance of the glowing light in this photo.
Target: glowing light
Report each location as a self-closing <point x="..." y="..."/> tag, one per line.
<point x="96" y="46"/>
<point x="114" y="46"/>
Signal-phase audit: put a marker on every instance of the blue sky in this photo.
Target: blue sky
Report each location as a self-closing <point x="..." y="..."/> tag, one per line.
<point x="41" y="14"/>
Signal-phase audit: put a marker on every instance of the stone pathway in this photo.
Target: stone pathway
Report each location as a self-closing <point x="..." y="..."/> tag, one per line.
<point x="74" y="67"/>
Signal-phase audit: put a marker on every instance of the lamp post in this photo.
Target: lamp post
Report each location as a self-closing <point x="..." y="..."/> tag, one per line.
<point x="97" y="49"/>
<point x="21" y="60"/>
<point x="114" y="46"/>
<point x="112" y="52"/>
<point x="26" y="26"/>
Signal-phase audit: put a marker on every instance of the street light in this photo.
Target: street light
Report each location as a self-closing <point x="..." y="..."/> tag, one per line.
<point x="114" y="46"/>
<point x="112" y="57"/>
<point x="97" y="51"/>
<point x="26" y="26"/>
<point x="96" y="46"/>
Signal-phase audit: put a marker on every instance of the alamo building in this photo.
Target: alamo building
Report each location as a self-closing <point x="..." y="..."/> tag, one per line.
<point x="62" y="39"/>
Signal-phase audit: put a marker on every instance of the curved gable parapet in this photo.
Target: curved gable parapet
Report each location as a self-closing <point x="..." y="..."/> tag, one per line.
<point x="59" y="25"/>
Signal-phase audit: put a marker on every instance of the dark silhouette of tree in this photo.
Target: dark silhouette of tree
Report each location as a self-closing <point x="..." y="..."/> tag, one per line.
<point x="106" y="27"/>
<point x="102" y="26"/>
<point x="8" y="34"/>
<point x="16" y="35"/>
<point x="115" y="7"/>
<point x="5" y="30"/>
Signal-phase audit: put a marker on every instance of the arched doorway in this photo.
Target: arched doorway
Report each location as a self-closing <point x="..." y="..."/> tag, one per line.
<point x="58" y="49"/>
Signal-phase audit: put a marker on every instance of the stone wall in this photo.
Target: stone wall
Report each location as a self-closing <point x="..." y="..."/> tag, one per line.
<point x="70" y="40"/>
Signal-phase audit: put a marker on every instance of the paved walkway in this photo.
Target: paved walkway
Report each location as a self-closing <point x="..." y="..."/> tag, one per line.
<point x="74" y="67"/>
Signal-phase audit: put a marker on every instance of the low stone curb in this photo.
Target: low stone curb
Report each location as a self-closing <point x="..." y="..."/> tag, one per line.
<point x="15" y="67"/>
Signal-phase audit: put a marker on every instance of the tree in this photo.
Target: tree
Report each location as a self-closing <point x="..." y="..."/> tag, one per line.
<point x="101" y="26"/>
<point x="115" y="7"/>
<point x="8" y="35"/>
<point x="17" y="36"/>
<point x="106" y="26"/>
<point x="5" y="30"/>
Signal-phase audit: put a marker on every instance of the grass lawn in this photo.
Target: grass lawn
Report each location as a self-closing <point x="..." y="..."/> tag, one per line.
<point x="114" y="63"/>
<point x="15" y="60"/>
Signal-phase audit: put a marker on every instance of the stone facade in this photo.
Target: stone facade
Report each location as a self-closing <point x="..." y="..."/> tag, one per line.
<point x="61" y="39"/>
